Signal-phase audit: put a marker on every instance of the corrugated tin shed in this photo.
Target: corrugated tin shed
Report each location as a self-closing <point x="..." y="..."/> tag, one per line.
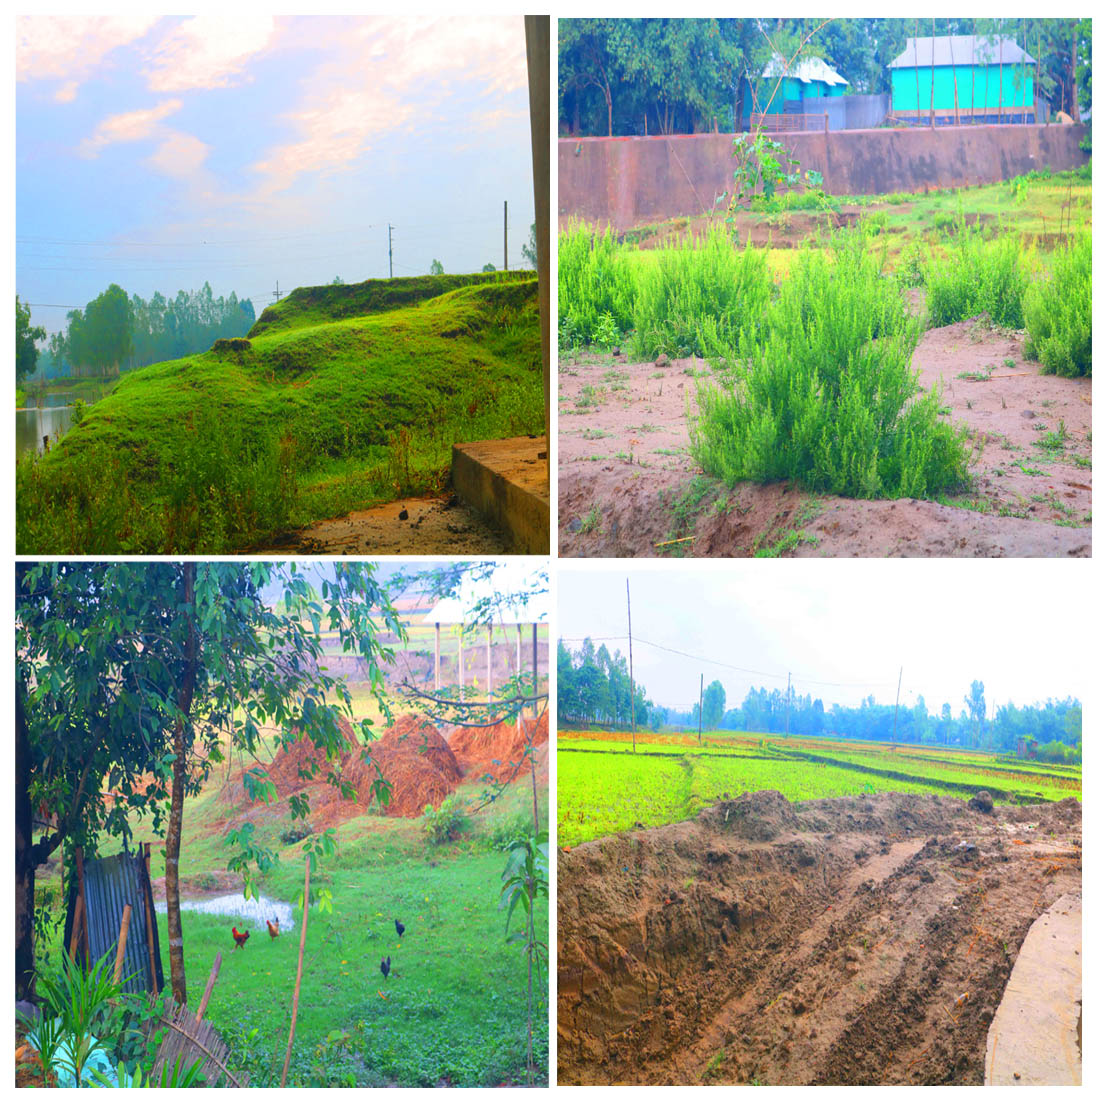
<point x="109" y="884"/>
<point x="806" y="69"/>
<point x="960" y="49"/>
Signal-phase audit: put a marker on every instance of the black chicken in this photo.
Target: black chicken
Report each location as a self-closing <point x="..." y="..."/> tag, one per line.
<point x="399" y="926"/>
<point x="386" y="967"/>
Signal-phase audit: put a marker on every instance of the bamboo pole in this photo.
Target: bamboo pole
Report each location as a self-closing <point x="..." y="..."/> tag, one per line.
<point x="123" y="936"/>
<point x="209" y="986"/>
<point x="298" y="980"/>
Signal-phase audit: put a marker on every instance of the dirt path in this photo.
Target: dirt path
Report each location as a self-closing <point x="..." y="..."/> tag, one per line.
<point x="431" y="525"/>
<point x="627" y="482"/>
<point x="844" y="941"/>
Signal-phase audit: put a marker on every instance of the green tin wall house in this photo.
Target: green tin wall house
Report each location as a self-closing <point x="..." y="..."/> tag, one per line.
<point x="810" y="77"/>
<point x="974" y="79"/>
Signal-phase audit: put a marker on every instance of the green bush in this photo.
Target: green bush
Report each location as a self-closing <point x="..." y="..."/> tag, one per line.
<point x="1058" y="313"/>
<point x="447" y="823"/>
<point x="694" y="301"/>
<point x="823" y="392"/>
<point x="979" y="276"/>
<point x="593" y="282"/>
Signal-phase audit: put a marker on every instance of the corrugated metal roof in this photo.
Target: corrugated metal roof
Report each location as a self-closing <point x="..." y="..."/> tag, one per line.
<point x="109" y="884"/>
<point x="807" y="70"/>
<point x="960" y="49"/>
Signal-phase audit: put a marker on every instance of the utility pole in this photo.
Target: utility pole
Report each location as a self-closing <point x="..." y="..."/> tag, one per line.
<point x="630" y="648"/>
<point x="505" y="234"/>
<point x="277" y="294"/>
<point x="700" y="708"/>
<point x="788" y="704"/>
<point x="390" y="230"/>
<point x="896" y="701"/>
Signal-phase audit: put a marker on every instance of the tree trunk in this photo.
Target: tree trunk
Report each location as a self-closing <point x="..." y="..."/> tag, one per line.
<point x="24" y="857"/>
<point x="180" y="746"/>
<point x="1075" y="110"/>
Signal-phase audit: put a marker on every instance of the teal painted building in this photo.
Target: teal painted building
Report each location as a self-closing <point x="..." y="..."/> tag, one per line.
<point x="973" y="79"/>
<point x="810" y="77"/>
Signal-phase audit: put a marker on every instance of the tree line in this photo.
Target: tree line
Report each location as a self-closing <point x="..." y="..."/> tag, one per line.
<point x="1054" y="725"/>
<point x="594" y="688"/>
<point x="116" y="332"/>
<point x="666" y="76"/>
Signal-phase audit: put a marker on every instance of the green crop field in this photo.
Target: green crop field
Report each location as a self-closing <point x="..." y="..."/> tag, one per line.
<point x="341" y="397"/>
<point x="605" y="788"/>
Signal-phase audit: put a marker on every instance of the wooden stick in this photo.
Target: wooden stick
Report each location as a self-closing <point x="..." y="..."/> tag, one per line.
<point x="78" y="916"/>
<point x="671" y="542"/>
<point x="123" y="936"/>
<point x="209" y="986"/>
<point x="147" y="893"/>
<point x="298" y="981"/>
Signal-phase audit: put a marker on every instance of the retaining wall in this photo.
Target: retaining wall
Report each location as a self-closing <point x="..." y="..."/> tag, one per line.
<point x="638" y="180"/>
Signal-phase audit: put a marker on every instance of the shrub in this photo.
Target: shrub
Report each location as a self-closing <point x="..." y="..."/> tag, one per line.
<point x="593" y="281"/>
<point x="694" y="301"/>
<point x="296" y="832"/>
<point x="1058" y="313"/>
<point x="823" y="393"/>
<point x="976" y="276"/>
<point x="447" y="823"/>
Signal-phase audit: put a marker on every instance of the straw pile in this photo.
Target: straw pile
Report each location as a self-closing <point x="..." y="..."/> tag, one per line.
<point x="498" y="750"/>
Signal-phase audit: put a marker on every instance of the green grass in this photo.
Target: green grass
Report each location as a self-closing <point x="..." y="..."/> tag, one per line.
<point x="341" y="397"/>
<point x="1058" y="313"/>
<point x="453" y="1008"/>
<point x="604" y="787"/>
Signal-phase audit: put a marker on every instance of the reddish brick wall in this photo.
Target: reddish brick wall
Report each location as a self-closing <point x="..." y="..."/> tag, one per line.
<point x="634" y="181"/>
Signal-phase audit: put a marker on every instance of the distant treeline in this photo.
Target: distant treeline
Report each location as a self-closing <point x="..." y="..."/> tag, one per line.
<point x="594" y="689"/>
<point x="115" y="333"/>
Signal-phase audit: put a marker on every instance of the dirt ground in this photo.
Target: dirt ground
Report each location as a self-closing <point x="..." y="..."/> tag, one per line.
<point x="433" y="525"/>
<point x="627" y="482"/>
<point x="844" y="941"/>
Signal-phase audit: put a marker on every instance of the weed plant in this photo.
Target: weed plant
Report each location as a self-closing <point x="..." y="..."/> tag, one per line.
<point x="595" y="286"/>
<point x="975" y="275"/>
<point x="1058" y="313"/>
<point x="694" y="301"/>
<point x="823" y="393"/>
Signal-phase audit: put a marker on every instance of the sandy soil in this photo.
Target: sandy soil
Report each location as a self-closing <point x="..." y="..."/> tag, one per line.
<point x="433" y="525"/>
<point x="627" y="483"/>
<point x="844" y="941"/>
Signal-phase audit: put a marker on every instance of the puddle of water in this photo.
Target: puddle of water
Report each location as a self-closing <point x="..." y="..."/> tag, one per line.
<point x="253" y="912"/>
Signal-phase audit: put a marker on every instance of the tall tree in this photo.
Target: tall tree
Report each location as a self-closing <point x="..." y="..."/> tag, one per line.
<point x="154" y="670"/>
<point x="714" y="704"/>
<point x="26" y="339"/>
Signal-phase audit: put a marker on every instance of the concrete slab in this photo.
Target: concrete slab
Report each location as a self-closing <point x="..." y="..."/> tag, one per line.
<point x="1035" y="1037"/>
<point x="507" y="481"/>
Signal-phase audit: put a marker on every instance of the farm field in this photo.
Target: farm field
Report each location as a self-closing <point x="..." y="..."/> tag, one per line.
<point x="644" y="466"/>
<point x="340" y="398"/>
<point x="604" y="788"/>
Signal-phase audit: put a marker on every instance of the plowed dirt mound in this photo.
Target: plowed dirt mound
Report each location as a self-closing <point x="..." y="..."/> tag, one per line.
<point x="498" y="750"/>
<point x="844" y="941"/>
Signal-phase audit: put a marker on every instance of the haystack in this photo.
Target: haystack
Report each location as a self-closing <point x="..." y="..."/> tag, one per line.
<point x="303" y="756"/>
<point x="498" y="750"/>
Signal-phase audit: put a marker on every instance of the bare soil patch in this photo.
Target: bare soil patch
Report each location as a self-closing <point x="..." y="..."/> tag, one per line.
<point x="842" y="941"/>
<point x="627" y="482"/>
<point x="430" y="525"/>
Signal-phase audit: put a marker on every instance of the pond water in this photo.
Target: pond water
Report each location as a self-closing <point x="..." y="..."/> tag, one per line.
<point x="251" y="912"/>
<point x="48" y="415"/>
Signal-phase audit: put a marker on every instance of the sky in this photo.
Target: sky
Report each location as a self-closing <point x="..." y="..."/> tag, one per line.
<point x="251" y="149"/>
<point x="843" y="629"/>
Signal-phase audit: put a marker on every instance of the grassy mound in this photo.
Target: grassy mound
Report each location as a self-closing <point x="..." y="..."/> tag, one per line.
<point x="340" y="397"/>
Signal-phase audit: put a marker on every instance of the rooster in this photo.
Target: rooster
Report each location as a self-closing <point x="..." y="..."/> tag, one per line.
<point x="399" y="926"/>
<point x="240" y="938"/>
<point x="273" y="928"/>
<point x="386" y="967"/>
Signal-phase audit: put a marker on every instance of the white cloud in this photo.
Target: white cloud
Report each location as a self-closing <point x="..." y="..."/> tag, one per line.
<point x="131" y="126"/>
<point x="179" y="155"/>
<point x="69" y="47"/>
<point x="209" y="51"/>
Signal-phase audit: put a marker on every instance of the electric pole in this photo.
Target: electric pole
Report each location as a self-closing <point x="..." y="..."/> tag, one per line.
<point x="505" y="234"/>
<point x="390" y="230"/>
<point x="788" y="704"/>
<point x="630" y="648"/>
<point x="700" y="708"/>
<point x="896" y="701"/>
<point x="277" y="294"/>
